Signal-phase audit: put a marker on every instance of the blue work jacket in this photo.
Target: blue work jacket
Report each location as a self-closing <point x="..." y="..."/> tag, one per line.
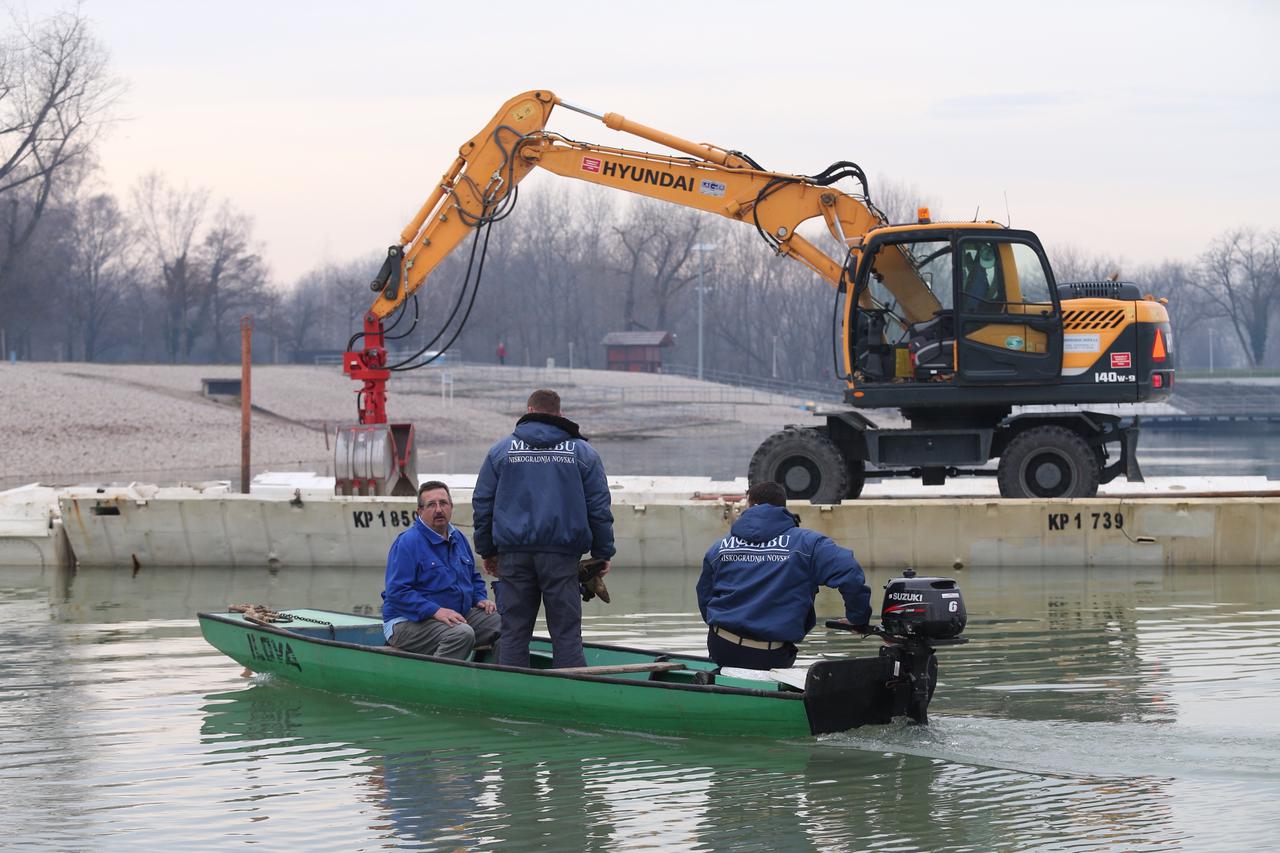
<point x="543" y="488"/>
<point x="426" y="571"/>
<point x="760" y="580"/>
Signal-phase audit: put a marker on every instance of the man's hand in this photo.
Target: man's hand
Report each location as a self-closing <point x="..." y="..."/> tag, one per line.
<point x="604" y="570"/>
<point x="449" y="617"/>
<point x="491" y="565"/>
<point x="486" y="605"/>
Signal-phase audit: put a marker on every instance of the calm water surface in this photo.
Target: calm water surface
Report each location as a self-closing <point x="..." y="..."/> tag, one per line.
<point x="1093" y="710"/>
<point x="722" y="452"/>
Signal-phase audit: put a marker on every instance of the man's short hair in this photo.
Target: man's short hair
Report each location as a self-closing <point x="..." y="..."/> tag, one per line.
<point x="544" y="401"/>
<point x="767" y="492"/>
<point x="431" y="486"/>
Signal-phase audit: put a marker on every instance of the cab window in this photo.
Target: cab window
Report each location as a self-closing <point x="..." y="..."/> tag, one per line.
<point x="1032" y="284"/>
<point x="912" y="281"/>
<point x="1001" y="276"/>
<point x="932" y="260"/>
<point x="982" y="285"/>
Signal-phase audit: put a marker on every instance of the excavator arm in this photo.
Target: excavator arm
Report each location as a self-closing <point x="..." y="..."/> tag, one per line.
<point x="491" y="164"/>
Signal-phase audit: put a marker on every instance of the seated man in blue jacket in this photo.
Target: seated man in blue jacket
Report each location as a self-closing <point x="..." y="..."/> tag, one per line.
<point x="758" y="584"/>
<point x="541" y="501"/>
<point x="435" y="602"/>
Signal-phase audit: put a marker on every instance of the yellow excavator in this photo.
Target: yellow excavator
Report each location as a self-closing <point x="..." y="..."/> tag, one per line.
<point x="953" y="323"/>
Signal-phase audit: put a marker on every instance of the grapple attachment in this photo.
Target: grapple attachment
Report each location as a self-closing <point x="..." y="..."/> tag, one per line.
<point x="375" y="459"/>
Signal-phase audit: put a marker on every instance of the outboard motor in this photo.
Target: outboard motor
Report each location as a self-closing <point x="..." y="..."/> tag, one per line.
<point x="918" y="615"/>
<point x="926" y="608"/>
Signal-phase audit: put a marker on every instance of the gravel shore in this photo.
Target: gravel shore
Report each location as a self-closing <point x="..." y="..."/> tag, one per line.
<point x="72" y="422"/>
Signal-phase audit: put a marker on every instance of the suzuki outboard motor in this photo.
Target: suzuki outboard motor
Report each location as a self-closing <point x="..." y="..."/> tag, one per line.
<point x="918" y="614"/>
<point x="928" y="608"/>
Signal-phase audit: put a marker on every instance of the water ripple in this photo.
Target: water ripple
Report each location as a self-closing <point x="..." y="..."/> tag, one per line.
<point x="1093" y="710"/>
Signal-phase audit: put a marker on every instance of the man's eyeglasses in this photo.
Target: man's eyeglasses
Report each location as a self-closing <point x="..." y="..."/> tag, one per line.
<point x="434" y="504"/>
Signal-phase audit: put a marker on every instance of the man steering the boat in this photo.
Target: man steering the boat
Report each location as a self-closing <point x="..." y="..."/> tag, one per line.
<point x="758" y="584"/>
<point x="435" y="602"/>
<point x="541" y="501"/>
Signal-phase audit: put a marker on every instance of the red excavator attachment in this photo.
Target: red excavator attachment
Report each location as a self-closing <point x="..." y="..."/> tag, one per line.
<point x="373" y="457"/>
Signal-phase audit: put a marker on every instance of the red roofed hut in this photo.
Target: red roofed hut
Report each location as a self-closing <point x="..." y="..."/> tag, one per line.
<point x="636" y="352"/>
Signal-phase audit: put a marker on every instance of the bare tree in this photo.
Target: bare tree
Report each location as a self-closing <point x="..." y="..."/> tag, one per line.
<point x="326" y="305"/>
<point x="560" y="244"/>
<point x="303" y="309"/>
<point x="1242" y="269"/>
<point x="1071" y="263"/>
<point x="900" y="202"/>
<point x="55" y="97"/>
<point x="657" y="250"/>
<point x="233" y="279"/>
<point x="102" y="243"/>
<point x="1190" y="303"/>
<point x="766" y="310"/>
<point x="169" y="219"/>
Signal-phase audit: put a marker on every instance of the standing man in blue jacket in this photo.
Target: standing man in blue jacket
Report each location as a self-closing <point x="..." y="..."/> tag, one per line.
<point x="541" y="501"/>
<point x="758" y="584"/>
<point x="435" y="601"/>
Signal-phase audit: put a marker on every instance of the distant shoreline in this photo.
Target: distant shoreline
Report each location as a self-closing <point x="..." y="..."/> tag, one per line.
<point x="99" y="423"/>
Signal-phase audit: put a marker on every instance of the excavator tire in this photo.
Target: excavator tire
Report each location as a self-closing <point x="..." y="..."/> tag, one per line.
<point x="806" y="462"/>
<point x="1048" y="462"/>
<point x="857" y="479"/>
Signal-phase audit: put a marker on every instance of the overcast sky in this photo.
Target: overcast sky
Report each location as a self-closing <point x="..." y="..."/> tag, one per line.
<point x="1138" y="130"/>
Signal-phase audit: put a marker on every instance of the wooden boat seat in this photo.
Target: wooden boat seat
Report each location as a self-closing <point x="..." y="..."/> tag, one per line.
<point x="617" y="668"/>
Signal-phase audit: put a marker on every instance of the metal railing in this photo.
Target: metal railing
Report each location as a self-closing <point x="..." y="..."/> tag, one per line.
<point x="509" y="386"/>
<point x="393" y="357"/>
<point x="804" y="390"/>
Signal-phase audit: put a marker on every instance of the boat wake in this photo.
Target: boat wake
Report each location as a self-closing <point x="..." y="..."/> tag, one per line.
<point x="1070" y="748"/>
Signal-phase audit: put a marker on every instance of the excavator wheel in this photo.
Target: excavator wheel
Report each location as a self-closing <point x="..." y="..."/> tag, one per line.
<point x="807" y="464"/>
<point x="857" y="478"/>
<point x="1048" y="462"/>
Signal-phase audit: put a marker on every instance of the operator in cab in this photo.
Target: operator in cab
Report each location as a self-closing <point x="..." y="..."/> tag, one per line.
<point x="435" y="602"/>
<point x="758" y="584"/>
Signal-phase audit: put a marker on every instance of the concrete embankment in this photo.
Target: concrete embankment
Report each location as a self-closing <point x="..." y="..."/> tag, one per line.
<point x="663" y="523"/>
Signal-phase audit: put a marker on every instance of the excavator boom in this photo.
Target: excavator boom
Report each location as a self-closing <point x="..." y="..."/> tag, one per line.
<point x="709" y="178"/>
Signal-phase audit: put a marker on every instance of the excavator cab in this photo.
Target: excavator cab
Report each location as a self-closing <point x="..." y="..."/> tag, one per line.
<point x="972" y="306"/>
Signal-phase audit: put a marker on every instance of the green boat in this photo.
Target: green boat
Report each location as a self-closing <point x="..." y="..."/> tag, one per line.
<point x="620" y="688"/>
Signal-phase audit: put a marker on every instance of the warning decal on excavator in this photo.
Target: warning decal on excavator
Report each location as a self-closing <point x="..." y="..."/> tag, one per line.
<point x="591" y="164"/>
<point x="1121" y="359"/>
<point x="1081" y="343"/>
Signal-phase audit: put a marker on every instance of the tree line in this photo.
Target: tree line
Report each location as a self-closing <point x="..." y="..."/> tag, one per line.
<point x="164" y="272"/>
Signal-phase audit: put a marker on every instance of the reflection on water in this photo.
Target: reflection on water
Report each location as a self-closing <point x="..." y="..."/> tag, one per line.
<point x="1242" y="451"/>
<point x="1126" y="710"/>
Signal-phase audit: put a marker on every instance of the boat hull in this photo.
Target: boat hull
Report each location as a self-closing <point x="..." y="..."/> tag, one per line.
<point x="667" y="702"/>
<point x="620" y="688"/>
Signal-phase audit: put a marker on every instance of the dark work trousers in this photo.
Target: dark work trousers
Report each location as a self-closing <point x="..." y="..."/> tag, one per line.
<point x="533" y="578"/>
<point x="433" y="637"/>
<point x="727" y="653"/>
